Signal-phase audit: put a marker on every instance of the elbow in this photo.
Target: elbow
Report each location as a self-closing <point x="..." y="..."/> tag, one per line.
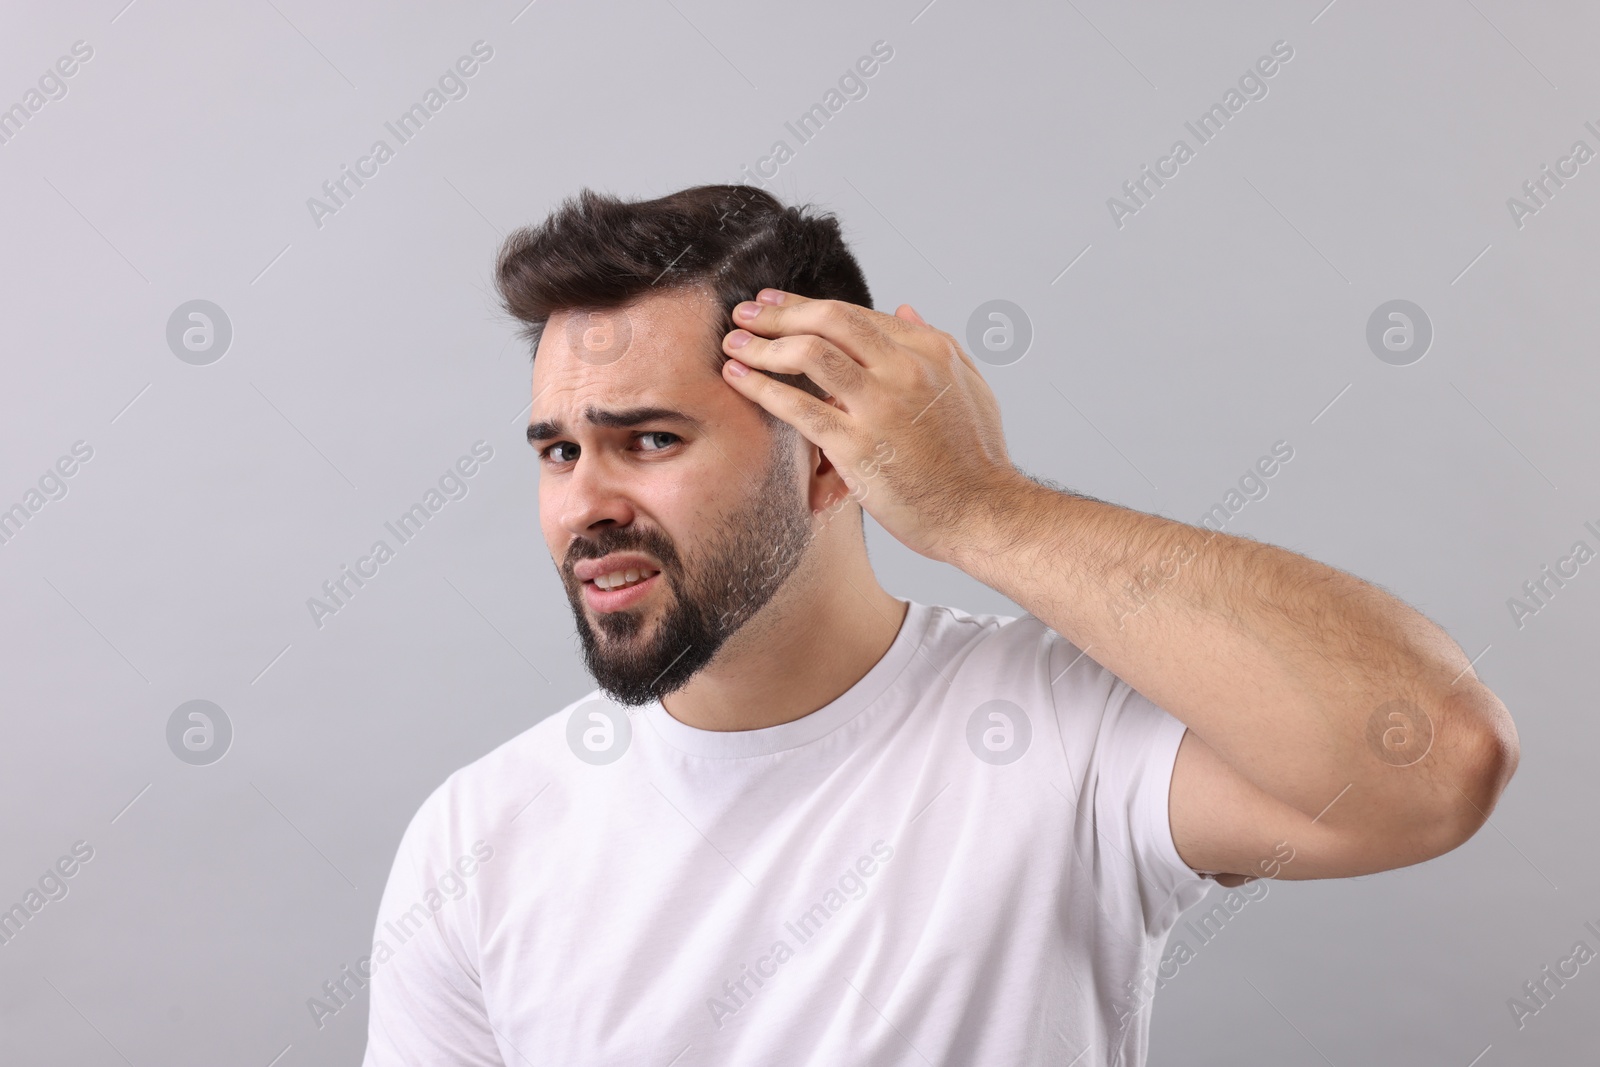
<point x="1481" y="763"/>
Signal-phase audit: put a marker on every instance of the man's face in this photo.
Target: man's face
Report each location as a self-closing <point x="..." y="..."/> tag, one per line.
<point x="673" y="511"/>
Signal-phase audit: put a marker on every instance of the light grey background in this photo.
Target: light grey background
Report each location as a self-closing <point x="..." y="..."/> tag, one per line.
<point x="1227" y="314"/>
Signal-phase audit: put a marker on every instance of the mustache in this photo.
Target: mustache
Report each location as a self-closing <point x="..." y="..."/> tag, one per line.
<point x="619" y="539"/>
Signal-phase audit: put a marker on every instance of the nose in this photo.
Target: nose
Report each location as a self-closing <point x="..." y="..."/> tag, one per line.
<point x="592" y="495"/>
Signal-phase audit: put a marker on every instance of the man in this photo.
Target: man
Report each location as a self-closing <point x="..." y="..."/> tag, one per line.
<point x="803" y="820"/>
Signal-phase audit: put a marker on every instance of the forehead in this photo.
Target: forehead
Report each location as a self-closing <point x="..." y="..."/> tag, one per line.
<point x="663" y="345"/>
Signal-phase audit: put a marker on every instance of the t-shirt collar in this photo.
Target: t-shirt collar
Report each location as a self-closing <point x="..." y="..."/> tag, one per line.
<point x="737" y="744"/>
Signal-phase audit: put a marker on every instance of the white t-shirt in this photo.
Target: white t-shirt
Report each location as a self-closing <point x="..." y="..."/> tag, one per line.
<point x="964" y="859"/>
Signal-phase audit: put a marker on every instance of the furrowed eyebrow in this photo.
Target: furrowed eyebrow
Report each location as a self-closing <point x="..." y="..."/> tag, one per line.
<point x="549" y="429"/>
<point x="542" y="431"/>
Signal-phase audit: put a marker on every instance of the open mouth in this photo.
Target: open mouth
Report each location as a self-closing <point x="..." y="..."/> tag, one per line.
<point x="622" y="579"/>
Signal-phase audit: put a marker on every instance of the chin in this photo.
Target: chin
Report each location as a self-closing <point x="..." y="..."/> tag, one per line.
<point x="619" y="628"/>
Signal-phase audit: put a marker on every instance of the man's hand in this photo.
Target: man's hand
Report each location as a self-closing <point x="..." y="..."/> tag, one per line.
<point x="910" y="424"/>
<point x="1279" y="665"/>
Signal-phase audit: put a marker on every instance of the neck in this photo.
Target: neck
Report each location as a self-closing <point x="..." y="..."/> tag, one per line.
<point x="803" y="650"/>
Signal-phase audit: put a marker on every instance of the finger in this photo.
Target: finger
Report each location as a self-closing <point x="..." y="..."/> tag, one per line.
<point x="909" y="313"/>
<point x="818" y="422"/>
<point x="863" y="334"/>
<point x="805" y="354"/>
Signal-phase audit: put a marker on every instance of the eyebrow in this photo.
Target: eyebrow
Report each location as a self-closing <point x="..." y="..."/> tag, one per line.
<point x="548" y="429"/>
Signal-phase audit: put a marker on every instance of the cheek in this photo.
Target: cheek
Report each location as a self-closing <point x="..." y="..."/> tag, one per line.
<point x="555" y="538"/>
<point x="679" y="499"/>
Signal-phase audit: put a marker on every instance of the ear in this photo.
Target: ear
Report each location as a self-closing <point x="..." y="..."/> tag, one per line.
<point x="827" y="487"/>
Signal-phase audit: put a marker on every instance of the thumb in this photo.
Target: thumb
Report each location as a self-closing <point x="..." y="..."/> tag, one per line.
<point x="909" y="313"/>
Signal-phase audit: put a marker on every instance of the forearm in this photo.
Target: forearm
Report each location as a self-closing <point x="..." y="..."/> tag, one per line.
<point x="1293" y="671"/>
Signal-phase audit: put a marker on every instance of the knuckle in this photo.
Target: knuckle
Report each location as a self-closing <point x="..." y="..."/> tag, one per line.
<point x="833" y="309"/>
<point x="862" y="327"/>
<point x="790" y="354"/>
<point x="821" y="419"/>
<point x="852" y="318"/>
<point x="836" y="365"/>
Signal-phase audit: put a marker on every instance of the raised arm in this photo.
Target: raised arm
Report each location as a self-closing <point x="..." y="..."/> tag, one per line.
<point x="1321" y="710"/>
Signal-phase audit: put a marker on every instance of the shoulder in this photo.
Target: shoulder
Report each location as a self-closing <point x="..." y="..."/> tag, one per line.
<point x="950" y="628"/>
<point x="1022" y="646"/>
<point x="1021" y="659"/>
<point x="486" y="795"/>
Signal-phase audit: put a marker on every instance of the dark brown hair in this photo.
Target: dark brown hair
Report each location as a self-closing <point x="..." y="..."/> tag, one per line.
<point x="598" y="252"/>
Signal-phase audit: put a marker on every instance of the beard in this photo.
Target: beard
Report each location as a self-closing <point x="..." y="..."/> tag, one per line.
<point x="720" y="586"/>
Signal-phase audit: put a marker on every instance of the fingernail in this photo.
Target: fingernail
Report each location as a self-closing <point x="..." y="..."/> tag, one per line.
<point x="746" y="310"/>
<point x="770" y="296"/>
<point x="737" y="369"/>
<point x="738" y="339"/>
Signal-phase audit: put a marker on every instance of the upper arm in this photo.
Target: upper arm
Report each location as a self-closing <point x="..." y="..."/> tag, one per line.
<point x="427" y="1004"/>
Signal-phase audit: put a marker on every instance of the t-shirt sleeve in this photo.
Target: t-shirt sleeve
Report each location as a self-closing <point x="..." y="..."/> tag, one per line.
<point x="427" y="1005"/>
<point x="1139" y="748"/>
<point x="1127" y="747"/>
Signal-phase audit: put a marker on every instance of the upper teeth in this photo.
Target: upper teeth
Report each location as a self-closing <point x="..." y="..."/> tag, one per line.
<point x="617" y="579"/>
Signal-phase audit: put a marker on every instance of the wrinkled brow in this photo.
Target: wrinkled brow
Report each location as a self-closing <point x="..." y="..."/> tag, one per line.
<point x="548" y="429"/>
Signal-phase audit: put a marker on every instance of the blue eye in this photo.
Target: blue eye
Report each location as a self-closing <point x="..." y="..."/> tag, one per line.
<point x="659" y="433"/>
